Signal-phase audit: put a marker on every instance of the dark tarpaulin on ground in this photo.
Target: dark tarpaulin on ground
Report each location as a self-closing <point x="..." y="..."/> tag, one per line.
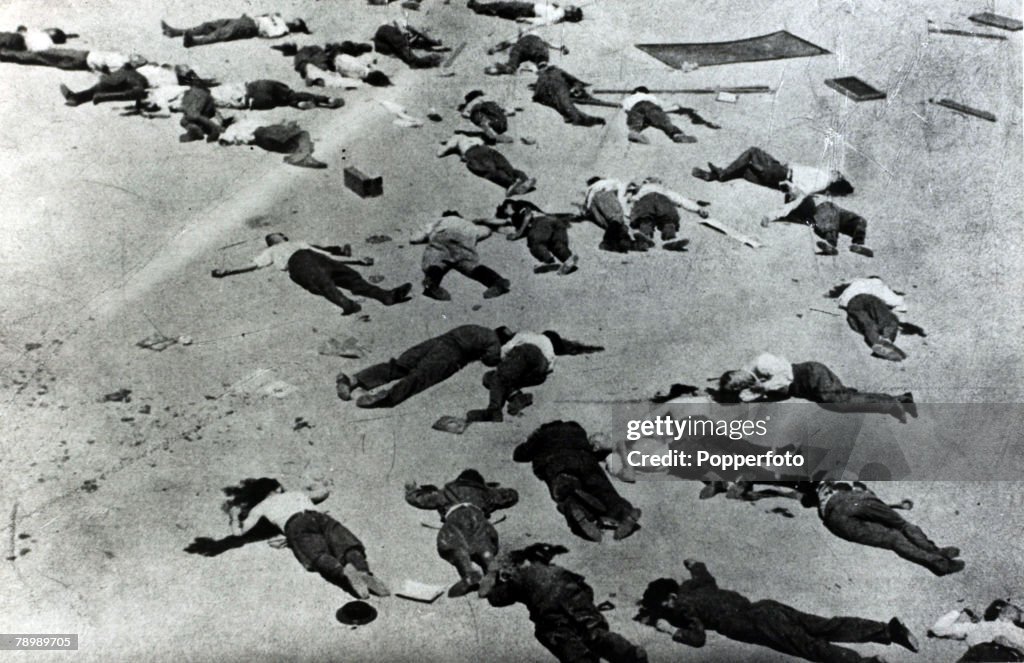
<point x="774" y="46"/>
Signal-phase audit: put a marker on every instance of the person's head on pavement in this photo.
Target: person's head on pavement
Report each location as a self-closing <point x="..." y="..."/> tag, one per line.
<point x="276" y="238"/>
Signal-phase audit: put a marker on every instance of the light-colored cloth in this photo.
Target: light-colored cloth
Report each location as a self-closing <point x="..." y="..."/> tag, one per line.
<point x="229" y="95"/>
<point x="677" y="199"/>
<point x="540" y="341"/>
<point x="460" y="143"/>
<point x="37" y="40"/>
<point x="1000" y="631"/>
<point x="242" y="132"/>
<point x="271" y="26"/>
<point x="452" y="228"/>
<point x="607" y="185"/>
<point x="546" y="13"/>
<point x="773" y="374"/>
<point x="278" y="255"/>
<point x="278" y="508"/>
<point x="634" y="99"/>
<point x="105" y="60"/>
<point x="158" y="75"/>
<point x="873" y="286"/>
<point x="808" y="179"/>
<point x="167" y="97"/>
<point x="332" y="78"/>
<point x="351" y="66"/>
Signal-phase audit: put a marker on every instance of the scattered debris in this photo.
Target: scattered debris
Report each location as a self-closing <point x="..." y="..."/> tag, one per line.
<point x="727" y="97"/>
<point x="356" y="613"/>
<point x="402" y="118"/>
<point x="818" y="310"/>
<point x="451" y="58"/>
<point x="782" y="511"/>
<point x="964" y="33"/>
<point x="997" y="21"/>
<point x="301" y="423"/>
<point x="90" y="486"/>
<point x="29" y="347"/>
<point x="263" y="381"/>
<point x="434" y="116"/>
<point x="365" y="186"/>
<point x="961" y="108"/>
<point x="528" y="140"/>
<point x="145" y="409"/>
<point x="350" y="348"/>
<point x="854" y="88"/>
<point x="418" y="591"/>
<point x="377" y="239"/>
<point x="157" y="342"/>
<point x="450" y="424"/>
<point x="676" y="245"/>
<point x="119" y="396"/>
<point x="376" y="278"/>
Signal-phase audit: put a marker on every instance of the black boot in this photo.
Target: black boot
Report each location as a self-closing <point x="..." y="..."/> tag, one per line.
<point x="496" y="285"/>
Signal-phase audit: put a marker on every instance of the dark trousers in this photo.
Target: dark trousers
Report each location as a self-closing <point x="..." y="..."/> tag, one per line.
<point x="467" y="536"/>
<point x="121" y="85"/>
<point x="871" y="317"/>
<point x="831" y="221"/>
<point x="491" y="113"/>
<point x="814" y="382"/>
<point x="595" y="483"/>
<point x="268" y="94"/>
<point x="417" y="369"/>
<point x="61" y="58"/>
<point x="548" y="240"/>
<point x="990" y="652"/>
<point x="757" y="166"/>
<point x="529" y="48"/>
<point x="224" y="29"/>
<point x="553" y="91"/>
<point x="646" y="114"/>
<point x="508" y="10"/>
<point x="655" y="211"/>
<point x="324" y="545"/>
<point x="389" y="40"/>
<point x="490" y="164"/>
<point x="321" y="275"/>
<point x="198" y="110"/>
<point x="790" y="631"/>
<point x="522" y="366"/>
<point x="862" y="518"/>
<point x="582" y="634"/>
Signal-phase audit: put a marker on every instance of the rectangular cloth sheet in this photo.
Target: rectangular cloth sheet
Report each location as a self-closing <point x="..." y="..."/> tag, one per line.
<point x="854" y="88"/>
<point x="775" y="46"/>
<point x="997" y="21"/>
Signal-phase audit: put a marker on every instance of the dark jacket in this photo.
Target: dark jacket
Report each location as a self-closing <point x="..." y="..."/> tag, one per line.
<point x="488" y="497"/>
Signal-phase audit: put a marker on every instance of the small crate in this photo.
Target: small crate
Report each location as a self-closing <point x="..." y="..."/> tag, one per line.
<point x="364" y="185"/>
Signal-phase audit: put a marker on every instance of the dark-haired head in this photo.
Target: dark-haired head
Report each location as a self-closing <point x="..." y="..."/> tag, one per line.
<point x="275" y="238"/>
<point x="249" y="493"/>
<point x="640" y="90"/>
<point x="536" y="553"/>
<point x="450" y="212"/>
<point x="573" y="14"/>
<point x="471" y="476"/>
<point x="557" y="343"/>
<point x="377" y="79"/>
<point x="504" y="334"/>
<point x="658" y="593"/>
<point x="594" y="180"/>
<point x="840" y="186"/>
<point x="504" y="209"/>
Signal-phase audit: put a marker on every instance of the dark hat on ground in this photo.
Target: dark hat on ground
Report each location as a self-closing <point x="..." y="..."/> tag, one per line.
<point x="356" y="613"/>
<point x="471" y="476"/>
<point x="377" y="79"/>
<point x="298" y="25"/>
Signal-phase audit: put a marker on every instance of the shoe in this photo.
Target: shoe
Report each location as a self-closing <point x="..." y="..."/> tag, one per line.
<point x="462" y="587"/>
<point x="69" y="96"/>
<point x="304" y="162"/>
<point x="376" y="585"/>
<point x="862" y="250"/>
<point x="546" y="267"/>
<point x="498" y="289"/>
<point x="637" y="137"/>
<point x="955" y="566"/>
<point x="711" y="489"/>
<point x="315" y="82"/>
<point x="588" y="527"/>
<point x="166" y="29"/>
<point x="357" y="581"/>
<point x="827" y="249"/>
<point x="886" y="350"/>
<point x="352" y="307"/>
<point x="188" y="41"/>
<point x="336" y="102"/>
<point x="485" y="415"/>
<point x="628" y="525"/>
<point x="683" y="138"/>
<point x="193" y="134"/>
<point x="519" y="402"/>
<point x="437" y="292"/>
<point x="668" y="233"/>
<point x="570" y="265"/>
<point x="399" y="295"/>
<point x="677" y="245"/>
<point x="702" y="174"/>
<point x="371" y="400"/>
<point x="343" y="385"/>
<point x="907" y="400"/>
<point x="950" y="552"/>
<point x="642" y="242"/>
<point x="901" y="635"/>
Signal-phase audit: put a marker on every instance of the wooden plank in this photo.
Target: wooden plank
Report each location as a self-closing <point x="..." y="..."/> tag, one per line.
<point x="749" y="89"/>
<point x="855" y="88"/>
<point x="961" y="108"/>
<point x="451" y="58"/>
<point x="997" y="21"/>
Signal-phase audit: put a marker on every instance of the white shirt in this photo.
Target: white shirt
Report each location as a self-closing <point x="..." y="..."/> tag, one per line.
<point x="167" y="97"/>
<point x="545" y="13"/>
<point x="873" y="286"/>
<point x="352" y="66"/>
<point x="454" y="227"/>
<point x="158" y="75"/>
<point x="37" y="40"/>
<point x="774" y="374"/>
<point x="278" y="255"/>
<point x="607" y="185"/>
<point x="678" y="200"/>
<point x="241" y="132"/>
<point x="999" y="631"/>
<point x="229" y="95"/>
<point x="106" y="60"/>
<point x="278" y="508"/>
<point x="808" y="179"/>
<point x="634" y="99"/>
<point x="540" y="341"/>
<point x="271" y="26"/>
